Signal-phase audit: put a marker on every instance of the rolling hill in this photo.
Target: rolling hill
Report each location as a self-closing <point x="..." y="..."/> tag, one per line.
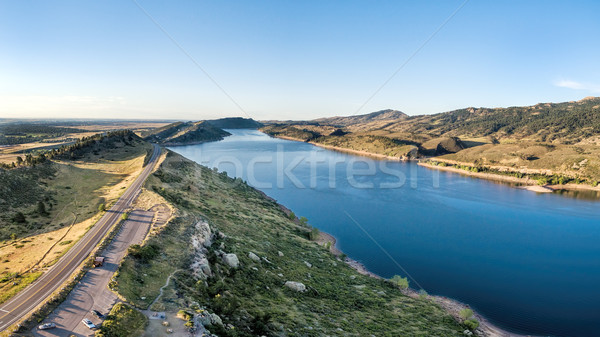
<point x="184" y="133"/>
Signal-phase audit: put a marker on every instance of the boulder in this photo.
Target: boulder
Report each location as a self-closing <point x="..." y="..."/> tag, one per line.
<point x="231" y="260"/>
<point x="297" y="286"/>
<point x="280" y="253"/>
<point x="253" y="257"/>
<point x="215" y="319"/>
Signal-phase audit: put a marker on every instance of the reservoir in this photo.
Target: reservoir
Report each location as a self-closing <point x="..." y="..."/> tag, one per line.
<point x="530" y="263"/>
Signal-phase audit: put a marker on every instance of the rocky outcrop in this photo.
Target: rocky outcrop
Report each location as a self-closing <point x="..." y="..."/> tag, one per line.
<point x="201" y="240"/>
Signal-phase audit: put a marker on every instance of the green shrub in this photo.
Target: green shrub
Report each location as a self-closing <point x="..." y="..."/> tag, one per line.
<point x="471" y="324"/>
<point x="465" y="313"/>
<point x="123" y="321"/>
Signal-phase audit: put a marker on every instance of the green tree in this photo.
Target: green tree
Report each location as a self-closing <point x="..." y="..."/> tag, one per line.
<point x="400" y="281"/>
<point x="19" y="160"/>
<point x="101" y="208"/>
<point x="303" y="221"/>
<point x="19" y="218"/>
<point x="314" y="234"/>
<point x="125" y="216"/>
<point x="41" y="208"/>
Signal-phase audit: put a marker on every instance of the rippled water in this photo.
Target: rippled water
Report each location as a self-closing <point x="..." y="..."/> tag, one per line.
<point x="528" y="262"/>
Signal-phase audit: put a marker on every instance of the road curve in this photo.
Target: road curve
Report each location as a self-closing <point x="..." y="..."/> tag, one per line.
<point x="20" y="305"/>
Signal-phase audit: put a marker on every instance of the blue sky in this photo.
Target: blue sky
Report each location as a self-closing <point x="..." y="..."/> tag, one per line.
<point x="291" y="59"/>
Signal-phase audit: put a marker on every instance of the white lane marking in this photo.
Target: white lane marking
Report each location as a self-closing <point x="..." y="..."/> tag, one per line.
<point x="4" y="311"/>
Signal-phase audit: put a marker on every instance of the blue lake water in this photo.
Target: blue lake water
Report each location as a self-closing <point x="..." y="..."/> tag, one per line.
<point x="528" y="262"/>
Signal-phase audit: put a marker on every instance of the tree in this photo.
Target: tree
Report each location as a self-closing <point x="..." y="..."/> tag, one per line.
<point x="19" y="218"/>
<point x="19" y="160"/>
<point x="13" y="236"/>
<point x="101" y="208"/>
<point x="400" y="281"/>
<point x="303" y="221"/>
<point x="41" y="208"/>
<point x="314" y="234"/>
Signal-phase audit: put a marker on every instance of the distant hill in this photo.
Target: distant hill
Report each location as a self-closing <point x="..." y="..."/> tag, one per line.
<point x="551" y="138"/>
<point x="184" y="133"/>
<point x="382" y="115"/>
<point x="235" y="123"/>
<point x="564" y="123"/>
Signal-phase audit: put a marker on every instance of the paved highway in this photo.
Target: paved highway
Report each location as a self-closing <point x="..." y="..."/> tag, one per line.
<point x="20" y="305"/>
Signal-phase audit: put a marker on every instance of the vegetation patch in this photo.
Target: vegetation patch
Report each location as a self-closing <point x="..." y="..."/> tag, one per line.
<point x="123" y="321"/>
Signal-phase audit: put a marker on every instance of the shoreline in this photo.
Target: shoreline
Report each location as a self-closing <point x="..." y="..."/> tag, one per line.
<point x="450" y="305"/>
<point x="342" y="149"/>
<point x="524" y="183"/>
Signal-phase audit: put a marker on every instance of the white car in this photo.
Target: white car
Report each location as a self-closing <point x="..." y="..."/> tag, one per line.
<point x="47" y="326"/>
<point x="88" y="323"/>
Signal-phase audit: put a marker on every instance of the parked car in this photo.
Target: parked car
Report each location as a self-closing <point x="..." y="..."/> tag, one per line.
<point x="98" y="314"/>
<point x="88" y="323"/>
<point x="47" y="326"/>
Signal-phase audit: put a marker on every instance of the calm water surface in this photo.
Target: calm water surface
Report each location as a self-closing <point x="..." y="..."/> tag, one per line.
<point x="528" y="262"/>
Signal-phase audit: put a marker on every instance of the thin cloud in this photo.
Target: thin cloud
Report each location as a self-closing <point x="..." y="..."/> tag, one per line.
<point x="578" y="85"/>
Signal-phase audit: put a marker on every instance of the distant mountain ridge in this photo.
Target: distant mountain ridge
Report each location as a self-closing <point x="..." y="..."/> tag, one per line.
<point x="235" y="123"/>
<point x="381" y="115"/>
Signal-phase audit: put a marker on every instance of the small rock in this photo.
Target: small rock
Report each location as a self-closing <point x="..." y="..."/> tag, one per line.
<point x="253" y="257"/>
<point x="308" y="264"/>
<point x="280" y="253"/>
<point x="297" y="286"/>
<point x="381" y="292"/>
<point x="280" y="275"/>
<point x="254" y="268"/>
<point x="266" y="260"/>
<point x="231" y="260"/>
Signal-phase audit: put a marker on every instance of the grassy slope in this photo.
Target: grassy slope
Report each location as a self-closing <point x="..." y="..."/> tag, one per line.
<point x="253" y="298"/>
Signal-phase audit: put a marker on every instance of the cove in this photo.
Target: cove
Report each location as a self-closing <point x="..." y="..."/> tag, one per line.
<point x="530" y="263"/>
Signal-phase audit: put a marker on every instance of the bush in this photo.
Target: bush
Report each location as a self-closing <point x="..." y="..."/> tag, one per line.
<point x="471" y="324"/>
<point x="144" y="253"/>
<point x="122" y="321"/>
<point x="465" y="313"/>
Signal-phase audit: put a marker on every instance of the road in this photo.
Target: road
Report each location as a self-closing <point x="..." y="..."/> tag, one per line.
<point x="92" y="293"/>
<point x="36" y="293"/>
